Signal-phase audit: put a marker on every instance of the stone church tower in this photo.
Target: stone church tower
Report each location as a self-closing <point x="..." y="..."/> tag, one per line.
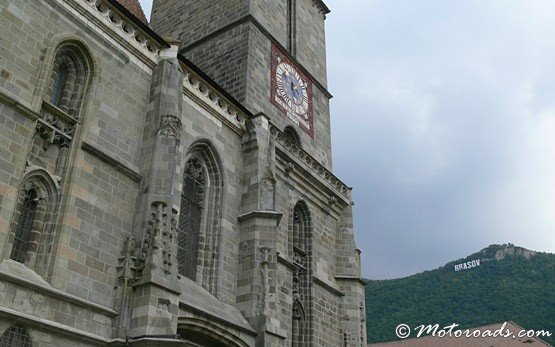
<point x="171" y="191"/>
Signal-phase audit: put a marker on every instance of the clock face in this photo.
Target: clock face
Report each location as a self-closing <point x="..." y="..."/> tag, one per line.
<point x="291" y="88"/>
<point x="291" y="91"/>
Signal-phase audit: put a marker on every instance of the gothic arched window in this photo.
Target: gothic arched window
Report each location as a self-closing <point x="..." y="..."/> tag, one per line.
<point x="198" y="227"/>
<point x="16" y="336"/>
<point x="22" y="237"/>
<point x="60" y="82"/>
<point x="190" y="217"/>
<point x="292" y="135"/>
<point x="33" y="219"/>
<point x="69" y="79"/>
<point x="301" y="274"/>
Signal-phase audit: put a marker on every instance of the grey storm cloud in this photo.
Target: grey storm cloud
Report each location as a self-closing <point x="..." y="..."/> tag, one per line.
<point x="443" y="121"/>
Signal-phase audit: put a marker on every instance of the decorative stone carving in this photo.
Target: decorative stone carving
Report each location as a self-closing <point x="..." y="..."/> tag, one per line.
<point x="53" y="133"/>
<point x="268" y="183"/>
<point x="324" y="10"/>
<point x="124" y="26"/>
<point x="298" y="272"/>
<point x="126" y="268"/>
<point x="289" y="168"/>
<point x="153" y="239"/>
<point x="40" y="193"/>
<point x="51" y="144"/>
<point x="310" y="162"/>
<point x="164" y="303"/>
<point x="168" y="235"/>
<point x="264" y="262"/>
<point x="223" y="109"/>
<point x="298" y="310"/>
<point x="346" y="337"/>
<point x="170" y="126"/>
<point x="267" y="194"/>
<point x="195" y="169"/>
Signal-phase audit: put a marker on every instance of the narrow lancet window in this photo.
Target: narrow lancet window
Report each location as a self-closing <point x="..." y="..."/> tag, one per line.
<point x="69" y="79"/>
<point x="24" y="229"/>
<point x="190" y="217"/>
<point x="199" y="228"/>
<point x="32" y="224"/>
<point x="60" y="82"/>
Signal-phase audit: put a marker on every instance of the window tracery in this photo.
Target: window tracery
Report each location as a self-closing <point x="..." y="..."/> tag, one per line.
<point x="16" y="336"/>
<point x="301" y="276"/>
<point x="292" y="136"/>
<point x="69" y="79"/>
<point x="31" y="226"/>
<point x="190" y="218"/>
<point x="198" y="225"/>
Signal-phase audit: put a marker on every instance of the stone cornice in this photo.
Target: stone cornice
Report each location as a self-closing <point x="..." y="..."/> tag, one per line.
<point x="122" y="26"/>
<point x="219" y="105"/>
<point x="321" y="6"/>
<point x="312" y="164"/>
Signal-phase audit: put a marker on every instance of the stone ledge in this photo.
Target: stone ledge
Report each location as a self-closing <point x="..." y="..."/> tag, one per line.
<point x="198" y="300"/>
<point x="54" y="110"/>
<point x="15" y="272"/>
<point x="10" y="101"/>
<point x="350" y="278"/>
<point x="154" y="342"/>
<point x="285" y="260"/>
<point x="327" y="286"/>
<point x="125" y="168"/>
<point x="261" y="214"/>
<point x="53" y="326"/>
<point x="271" y="326"/>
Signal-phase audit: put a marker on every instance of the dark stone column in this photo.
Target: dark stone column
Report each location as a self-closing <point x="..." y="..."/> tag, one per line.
<point x="259" y="221"/>
<point x="155" y="297"/>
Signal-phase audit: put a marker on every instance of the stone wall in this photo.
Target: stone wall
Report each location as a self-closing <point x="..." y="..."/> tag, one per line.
<point x="231" y="42"/>
<point x="97" y="207"/>
<point x="41" y="336"/>
<point x="99" y="182"/>
<point x="107" y="267"/>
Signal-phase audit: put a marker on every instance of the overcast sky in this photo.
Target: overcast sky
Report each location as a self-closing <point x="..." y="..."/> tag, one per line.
<point x="443" y="121"/>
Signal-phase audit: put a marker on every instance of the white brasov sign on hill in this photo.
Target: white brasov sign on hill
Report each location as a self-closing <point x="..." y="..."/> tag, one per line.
<point x="467" y="265"/>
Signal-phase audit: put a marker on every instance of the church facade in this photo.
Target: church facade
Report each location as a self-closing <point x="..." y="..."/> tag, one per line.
<point x="170" y="184"/>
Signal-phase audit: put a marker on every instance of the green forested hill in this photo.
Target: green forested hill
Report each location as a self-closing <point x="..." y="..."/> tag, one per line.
<point x="511" y="284"/>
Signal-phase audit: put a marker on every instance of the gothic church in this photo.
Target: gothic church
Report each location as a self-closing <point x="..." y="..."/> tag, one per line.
<point x="170" y="184"/>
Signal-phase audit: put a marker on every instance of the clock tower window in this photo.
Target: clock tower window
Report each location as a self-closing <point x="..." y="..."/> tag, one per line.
<point x="292" y="135"/>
